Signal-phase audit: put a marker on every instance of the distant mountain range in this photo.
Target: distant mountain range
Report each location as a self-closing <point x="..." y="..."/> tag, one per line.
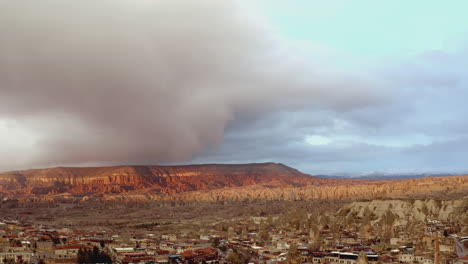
<point x="211" y="182"/>
<point x="385" y="176"/>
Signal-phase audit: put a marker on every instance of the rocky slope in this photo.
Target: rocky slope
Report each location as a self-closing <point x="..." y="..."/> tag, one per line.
<point x="409" y="209"/>
<point x="154" y="179"/>
<point x="437" y="187"/>
<point x="410" y="215"/>
<point x="212" y="182"/>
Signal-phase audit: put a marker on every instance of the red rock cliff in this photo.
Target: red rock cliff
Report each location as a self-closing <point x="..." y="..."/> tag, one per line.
<point x="163" y="179"/>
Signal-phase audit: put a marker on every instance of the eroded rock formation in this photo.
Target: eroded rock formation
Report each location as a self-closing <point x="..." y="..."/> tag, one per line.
<point x="211" y="182"/>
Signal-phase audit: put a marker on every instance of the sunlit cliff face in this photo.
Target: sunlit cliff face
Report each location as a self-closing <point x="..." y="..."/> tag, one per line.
<point x="261" y="181"/>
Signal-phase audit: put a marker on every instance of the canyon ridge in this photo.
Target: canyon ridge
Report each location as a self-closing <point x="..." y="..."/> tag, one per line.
<point x="212" y="182"/>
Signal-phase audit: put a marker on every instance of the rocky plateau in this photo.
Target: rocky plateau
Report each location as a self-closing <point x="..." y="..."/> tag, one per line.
<point x="211" y="182"/>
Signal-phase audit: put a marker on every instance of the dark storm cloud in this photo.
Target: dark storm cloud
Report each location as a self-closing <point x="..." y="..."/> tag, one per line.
<point x="282" y="137"/>
<point x="150" y="81"/>
<point x="424" y="129"/>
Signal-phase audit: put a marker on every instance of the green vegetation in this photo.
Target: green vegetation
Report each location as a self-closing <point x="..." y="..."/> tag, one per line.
<point x="93" y="256"/>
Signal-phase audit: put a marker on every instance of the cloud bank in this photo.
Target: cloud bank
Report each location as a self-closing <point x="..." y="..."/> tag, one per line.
<point x="124" y="81"/>
<point x="423" y="129"/>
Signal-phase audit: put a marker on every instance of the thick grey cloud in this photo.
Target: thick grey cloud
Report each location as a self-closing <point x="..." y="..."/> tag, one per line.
<point x="423" y="129"/>
<point x="126" y="81"/>
<point x="142" y="82"/>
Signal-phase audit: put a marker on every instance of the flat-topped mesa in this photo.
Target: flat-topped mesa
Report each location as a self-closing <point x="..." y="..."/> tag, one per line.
<point x="212" y="182"/>
<point x="160" y="179"/>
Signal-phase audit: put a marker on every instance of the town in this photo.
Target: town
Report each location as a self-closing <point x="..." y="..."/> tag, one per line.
<point x="255" y="240"/>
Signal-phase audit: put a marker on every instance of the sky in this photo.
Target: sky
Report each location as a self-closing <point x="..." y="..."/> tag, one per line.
<point x="328" y="87"/>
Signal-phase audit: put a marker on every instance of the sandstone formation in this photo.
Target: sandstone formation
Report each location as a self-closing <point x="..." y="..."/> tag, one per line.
<point x="439" y="187"/>
<point x="211" y="182"/>
<point x="153" y="179"/>
<point x="409" y="210"/>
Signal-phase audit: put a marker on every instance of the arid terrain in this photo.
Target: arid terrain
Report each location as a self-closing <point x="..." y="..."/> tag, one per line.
<point x="167" y="197"/>
<point x="228" y="213"/>
<point x="214" y="182"/>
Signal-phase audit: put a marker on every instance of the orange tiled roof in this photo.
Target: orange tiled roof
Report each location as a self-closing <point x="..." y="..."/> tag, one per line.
<point x="70" y="247"/>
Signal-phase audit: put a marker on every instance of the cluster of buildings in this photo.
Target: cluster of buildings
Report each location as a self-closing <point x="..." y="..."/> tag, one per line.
<point x="24" y="243"/>
<point x="28" y="243"/>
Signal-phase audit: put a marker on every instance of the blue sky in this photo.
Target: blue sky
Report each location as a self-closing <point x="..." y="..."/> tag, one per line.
<point x="371" y="28"/>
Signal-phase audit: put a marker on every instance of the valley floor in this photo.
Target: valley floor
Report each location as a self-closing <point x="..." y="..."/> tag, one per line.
<point x="389" y="230"/>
